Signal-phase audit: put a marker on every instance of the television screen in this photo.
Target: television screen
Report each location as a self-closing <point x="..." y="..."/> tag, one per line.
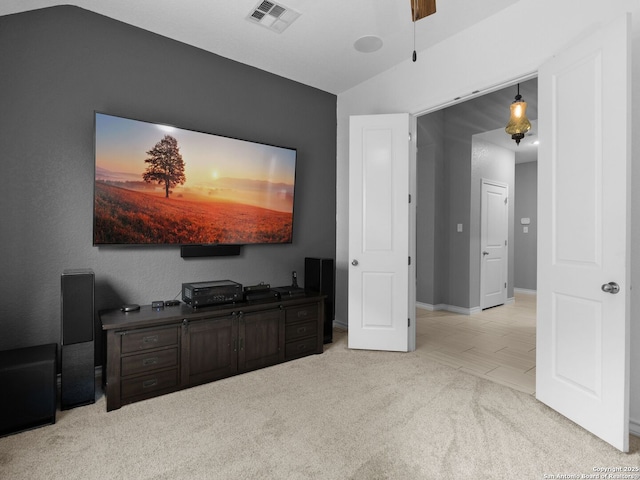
<point x="161" y="185"/>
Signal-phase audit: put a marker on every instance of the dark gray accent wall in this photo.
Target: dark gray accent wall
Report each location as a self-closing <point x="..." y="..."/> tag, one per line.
<point x="526" y="244"/>
<point x="432" y="229"/>
<point x="462" y="179"/>
<point x="59" y="65"/>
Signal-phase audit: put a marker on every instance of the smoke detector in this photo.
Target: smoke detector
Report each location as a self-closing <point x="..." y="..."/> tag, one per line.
<point x="274" y="16"/>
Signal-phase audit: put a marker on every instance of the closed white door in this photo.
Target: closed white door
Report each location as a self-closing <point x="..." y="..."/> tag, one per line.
<point x="494" y="228"/>
<point x="583" y="237"/>
<point x="379" y="232"/>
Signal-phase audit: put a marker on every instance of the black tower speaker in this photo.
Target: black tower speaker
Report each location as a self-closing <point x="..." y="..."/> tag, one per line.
<point x="77" y="383"/>
<point x="319" y="276"/>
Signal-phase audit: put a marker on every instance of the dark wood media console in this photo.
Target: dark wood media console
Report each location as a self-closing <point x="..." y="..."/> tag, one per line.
<point x="151" y="352"/>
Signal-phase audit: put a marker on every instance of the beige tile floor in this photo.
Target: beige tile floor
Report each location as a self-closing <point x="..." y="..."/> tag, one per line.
<point x="498" y="344"/>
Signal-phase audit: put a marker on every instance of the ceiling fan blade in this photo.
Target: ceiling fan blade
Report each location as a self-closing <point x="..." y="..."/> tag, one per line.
<point x="422" y="8"/>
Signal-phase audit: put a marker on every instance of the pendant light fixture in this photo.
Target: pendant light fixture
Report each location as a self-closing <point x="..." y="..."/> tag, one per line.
<point x="518" y="124"/>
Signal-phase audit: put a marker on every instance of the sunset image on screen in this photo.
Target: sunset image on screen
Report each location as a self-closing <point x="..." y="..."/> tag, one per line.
<point x="162" y="185"/>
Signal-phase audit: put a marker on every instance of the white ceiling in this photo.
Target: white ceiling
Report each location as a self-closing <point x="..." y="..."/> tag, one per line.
<point x="317" y="49"/>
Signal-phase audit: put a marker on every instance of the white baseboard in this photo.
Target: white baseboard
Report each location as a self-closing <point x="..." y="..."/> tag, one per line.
<point x="524" y="291"/>
<point x="448" y="308"/>
<point x="431" y="308"/>
<point x="634" y="427"/>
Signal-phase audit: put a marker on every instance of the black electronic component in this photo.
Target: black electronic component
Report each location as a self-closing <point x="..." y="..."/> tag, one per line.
<point x="201" y="294"/>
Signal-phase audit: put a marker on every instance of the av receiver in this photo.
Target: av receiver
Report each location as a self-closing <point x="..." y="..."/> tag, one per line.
<point x="201" y="294"/>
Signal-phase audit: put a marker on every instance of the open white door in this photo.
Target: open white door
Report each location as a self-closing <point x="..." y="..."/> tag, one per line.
<point x="583" y="237"/>
<point x="494" y="232"/>
<point x="379" y="232"/>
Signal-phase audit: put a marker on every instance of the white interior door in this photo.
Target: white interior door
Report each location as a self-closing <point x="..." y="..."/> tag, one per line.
<point x="379" y="232"/>
<point x="494" y="230"/>
<point x="583" y="204"/>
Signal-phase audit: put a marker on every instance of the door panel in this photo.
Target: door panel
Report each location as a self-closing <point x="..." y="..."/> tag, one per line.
<point x="578" y="326"/>
<point x="583" y="237"/>
<point x="378" y="309"/>
<point x="378" y="191"/>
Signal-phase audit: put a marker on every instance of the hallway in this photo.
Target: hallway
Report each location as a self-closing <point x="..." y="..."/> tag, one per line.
<point x="498" y="344"/>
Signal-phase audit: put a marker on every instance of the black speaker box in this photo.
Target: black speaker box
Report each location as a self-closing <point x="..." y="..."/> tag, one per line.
<point x="77" y="370"/>
<point x="29" y="389"/>
<point x="77" y="380"/>
<point x="319" y="276"/>
<point x="189" y="251"/>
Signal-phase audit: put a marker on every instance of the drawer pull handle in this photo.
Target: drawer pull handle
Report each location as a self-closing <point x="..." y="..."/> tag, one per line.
<point x="150" y="361"/>
<point x="302" y="329"/>
<point x="302" y="346"/>
<point x="303" y="313"/>
<point x="150" y="383"/>
<point x="150" y="339"/>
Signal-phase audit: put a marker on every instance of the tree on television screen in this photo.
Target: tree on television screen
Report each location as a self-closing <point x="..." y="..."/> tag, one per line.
<point x="165" y="165"/>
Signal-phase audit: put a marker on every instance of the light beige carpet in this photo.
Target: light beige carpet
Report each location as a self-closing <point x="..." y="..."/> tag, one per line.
<point x="344" y="414"/>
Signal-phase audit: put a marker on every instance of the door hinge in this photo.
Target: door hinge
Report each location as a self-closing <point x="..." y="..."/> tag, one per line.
<point x="505" y="284"/>
<point x="409" y="321"/>
<point x="409" y="260"/>
<point x="409" y="198"/>
<point x="505" y="243"/>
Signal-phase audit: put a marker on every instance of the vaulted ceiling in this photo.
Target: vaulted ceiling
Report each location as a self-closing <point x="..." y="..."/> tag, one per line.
<point x="315" y="47"/>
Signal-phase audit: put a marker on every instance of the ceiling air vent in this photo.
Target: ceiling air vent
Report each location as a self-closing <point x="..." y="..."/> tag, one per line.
<point x="274" y="16"/>
<point x="265" y="7"/>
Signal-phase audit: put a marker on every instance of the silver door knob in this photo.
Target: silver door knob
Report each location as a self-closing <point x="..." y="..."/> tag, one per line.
<point x="354" y="263"/>
<point x="485" y="253"/>
<point x="611" y="287"/>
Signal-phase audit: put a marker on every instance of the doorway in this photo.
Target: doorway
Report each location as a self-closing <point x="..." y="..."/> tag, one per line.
<point x="457" y="148"/>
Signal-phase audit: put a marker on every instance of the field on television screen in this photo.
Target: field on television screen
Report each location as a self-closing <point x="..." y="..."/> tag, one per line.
<point x="162" y="185"/>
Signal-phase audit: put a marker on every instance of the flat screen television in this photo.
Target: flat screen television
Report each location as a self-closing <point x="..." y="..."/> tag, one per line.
<point x="161" y="185"/>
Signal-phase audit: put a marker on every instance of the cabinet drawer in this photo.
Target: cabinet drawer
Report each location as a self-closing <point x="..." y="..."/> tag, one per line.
<point x="300" y="330"/>
<point x="298" y="314"/>
<point x="133" y="342"/>
<point x="132" y="387"/>
<point x="300" y="348"/>
<point x="145" y="362"/>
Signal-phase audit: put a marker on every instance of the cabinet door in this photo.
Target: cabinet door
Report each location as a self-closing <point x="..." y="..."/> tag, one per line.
<point x="261" y="339"/>
<point x="208" y="351"/>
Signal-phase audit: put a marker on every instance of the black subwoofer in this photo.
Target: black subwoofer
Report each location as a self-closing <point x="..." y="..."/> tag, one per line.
<point x="29" y="390"/>
<point x="319" y="276"/>
<point x="77" y="375"/>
